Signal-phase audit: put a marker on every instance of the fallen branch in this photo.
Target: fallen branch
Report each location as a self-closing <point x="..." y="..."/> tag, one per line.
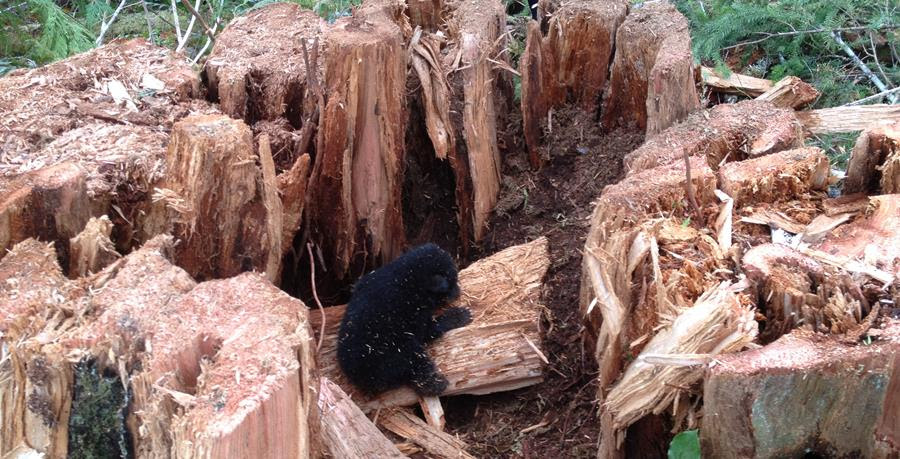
<point x="104" y="25"/>
<point x="862" y="66"/>
<point x="848" y="119"/>
<point x="768" y="35"/>
<point x="872" y="97"/>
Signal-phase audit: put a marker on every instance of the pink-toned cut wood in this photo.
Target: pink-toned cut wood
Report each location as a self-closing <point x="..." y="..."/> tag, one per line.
<point x="848" y="118"/>
<point x="727" y="132"/>
<point x="354" y="192"/>
<point x="437" y="443"/>
<point x="758" y="403"/>
<point x="652" y="80"/>
<point x="40" y="104"/>
<point x="735" y="83"/>
<point x="256" y="69"/>
<point x="779" y="176"/>
<point x="51" y="204"/>
<point x="224" y="368"/>
<point x="219" y="198"/>
<point x="790" y="92"/>
<point x="873" y="239"/>
<point x="500" y="350"/>
<point x="346" y="431"/>
<point x="875" y="161"/>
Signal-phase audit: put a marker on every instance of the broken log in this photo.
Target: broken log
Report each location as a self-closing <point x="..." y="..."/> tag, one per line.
<point x="292" y="187"/>
<point x="717" y="323"/>
<point x="727" y="132"/>
<point x="346" y="431"/>
<point x="223" y="368"/>
<point x="848" y="118"/>
<point x="774" y="177"/>
<point x="624" y="228"/>
<point x="567" y="65"/>
<point x="256" y="71"/>
<point x="92" y="250"/>
<point x="760" y="403"/>
<point x="436" y="443"/>
<point x="498" y="351"/>
<point x="874" y="164"/>
<point x="790" y="92"/>
<point x="354" y="193"/>
<point x="652" y="80"/>
<point x="219" y="198"/>
<point x="735" y="83"/>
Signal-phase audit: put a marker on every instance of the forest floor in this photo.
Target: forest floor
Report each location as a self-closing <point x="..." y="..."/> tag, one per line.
<point x="556" y="418"/>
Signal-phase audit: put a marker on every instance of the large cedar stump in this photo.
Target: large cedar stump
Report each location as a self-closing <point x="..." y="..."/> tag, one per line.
<point x="353" y="198"/>
<point x="652" y="79"/>
<point x="223" y="368"/>
<point x="805" y="394"/>
<point x="219" y="199"/>
<point x="567" y="65"/>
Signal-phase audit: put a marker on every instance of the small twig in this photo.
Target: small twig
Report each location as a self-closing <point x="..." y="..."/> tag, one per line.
<point x="689" y="187"/>
<point x="862" y="66"/>
<point x="312" y="275"/>
<point x="208" y="40"/>
<point x="147" y="17"/>
<point x="203" y="23"/>
<point x="187" y="32"/>
<point x="873" y="97"/>
<point x="104" y="25"/>
<point x="768" y="35"/>
<point x="177" y="22"/>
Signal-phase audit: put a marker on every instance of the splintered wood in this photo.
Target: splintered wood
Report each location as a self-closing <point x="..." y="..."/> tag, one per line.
<point x="222" y="368"/>
<point x="875" y="162"/>
<point x="500" y="350"/>
<point x="664" y="293"/>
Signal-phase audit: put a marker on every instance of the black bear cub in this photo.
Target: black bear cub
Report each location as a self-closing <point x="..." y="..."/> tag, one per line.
<point x="390" y="319"/>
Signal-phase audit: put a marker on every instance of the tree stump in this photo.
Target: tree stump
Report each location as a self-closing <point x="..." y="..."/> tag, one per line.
<point x="652" y="78"/>
<point x="222" y="368"/>
<point x="86" y="144"/>
<point x="256" y="70"/>
<point x="875" y="162"/>
<point x="777" y="176"/>
<point x="567" y="65"/>
<point x="727" y="132"/>
<point x="353" y="197"/>
<point x="805" y="394"/>
<point x="219" y="198"/>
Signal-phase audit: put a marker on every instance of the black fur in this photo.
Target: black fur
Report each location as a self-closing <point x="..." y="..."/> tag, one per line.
<point x="390" y="318"/>
<point x="515" y="7"/>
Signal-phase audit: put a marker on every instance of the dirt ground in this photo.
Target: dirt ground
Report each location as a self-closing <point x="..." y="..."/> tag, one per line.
<point x="556" y="418"/>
